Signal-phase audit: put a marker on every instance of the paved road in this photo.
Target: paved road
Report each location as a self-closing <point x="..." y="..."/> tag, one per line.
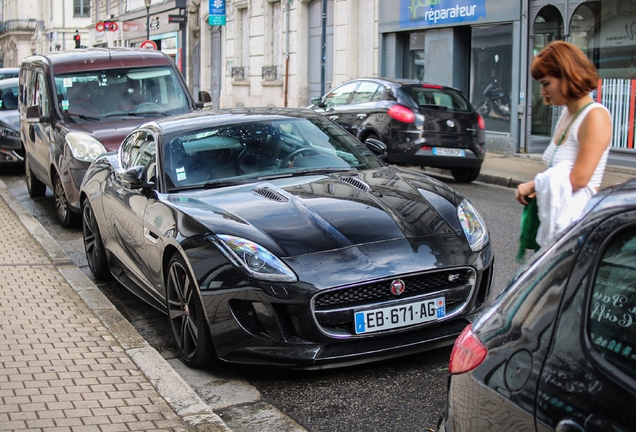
<point x="404" y="394"/>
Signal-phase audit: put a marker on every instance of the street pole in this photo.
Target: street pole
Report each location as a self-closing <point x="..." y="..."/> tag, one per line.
<point x="323" y="51"/>
<point x="147" y="4"/>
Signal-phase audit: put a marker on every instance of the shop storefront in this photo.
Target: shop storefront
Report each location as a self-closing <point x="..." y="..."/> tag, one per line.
<point x="473" y="45"/>
<point x="606" y="32"/>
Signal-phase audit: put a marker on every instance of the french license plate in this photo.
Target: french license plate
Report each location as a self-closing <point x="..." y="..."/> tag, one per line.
<point x="441" y="151"/>
<point x="374" y="320"/>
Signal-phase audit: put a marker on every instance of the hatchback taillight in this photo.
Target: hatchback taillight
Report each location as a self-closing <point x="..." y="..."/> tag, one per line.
<point x="401" y="113"/>
<point x="481" y="122"/>
<point x="468" y="352"/>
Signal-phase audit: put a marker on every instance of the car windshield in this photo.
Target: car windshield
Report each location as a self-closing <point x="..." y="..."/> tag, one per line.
<point x="8" y="95"/>
<point x="107" y="93"/>
<point x="279" y="147"/>
<point x="436" y="97"/>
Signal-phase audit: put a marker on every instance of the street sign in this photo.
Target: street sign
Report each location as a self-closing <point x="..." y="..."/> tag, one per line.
<point x="216" y="13"/>
<point x="148" y="44"/>
<point x="177" y="18"/>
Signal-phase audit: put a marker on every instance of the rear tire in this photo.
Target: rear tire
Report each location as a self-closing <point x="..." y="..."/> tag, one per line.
<point x="93" y="245"/>
<point x="186" y="317"/>
<point x="465" y="175"/>
<point x="34" y="186"/>
<point x="65" y="215"/>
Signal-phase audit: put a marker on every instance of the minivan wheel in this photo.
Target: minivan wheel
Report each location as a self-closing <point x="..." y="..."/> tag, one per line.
<point x="187" y="319"/>
<point x="34" y="186"/>
<point x="465" y="175"/>
<point x="65" y="215"/>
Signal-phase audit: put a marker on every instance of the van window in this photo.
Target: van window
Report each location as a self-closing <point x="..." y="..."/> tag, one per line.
<point x="612" y="311"/>
<point x="121" y="92"/>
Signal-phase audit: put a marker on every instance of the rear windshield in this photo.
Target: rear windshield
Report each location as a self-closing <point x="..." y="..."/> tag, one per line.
<point x="433" y="97"/>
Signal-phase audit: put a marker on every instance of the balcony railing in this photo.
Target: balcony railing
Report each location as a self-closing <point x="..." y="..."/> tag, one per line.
<point x="239" y="73"/>
<point x="270" y="73"/>
<point x="19" y="25"/>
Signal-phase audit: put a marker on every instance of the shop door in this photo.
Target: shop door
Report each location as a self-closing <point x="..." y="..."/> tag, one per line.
<point x="548" y="26"/>
<point x="315" y="49"/>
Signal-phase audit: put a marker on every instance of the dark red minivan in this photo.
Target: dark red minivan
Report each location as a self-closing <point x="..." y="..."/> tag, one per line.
<point x="76" y="105"/>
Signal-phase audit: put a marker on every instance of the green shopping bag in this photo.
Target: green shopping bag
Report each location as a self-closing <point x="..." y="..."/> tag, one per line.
<point x="529" y="228"/>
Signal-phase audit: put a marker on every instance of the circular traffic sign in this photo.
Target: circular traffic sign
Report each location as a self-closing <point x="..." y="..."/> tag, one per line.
<point x="148" y="44"/>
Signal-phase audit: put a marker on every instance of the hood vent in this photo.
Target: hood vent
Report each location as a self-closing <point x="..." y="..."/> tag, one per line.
<point x="356" y="182"/>
<point x="270" y="194"/>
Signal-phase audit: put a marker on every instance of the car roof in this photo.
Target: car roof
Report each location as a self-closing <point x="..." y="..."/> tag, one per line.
<point x="9" y="81"/>
<point x="399" y="82"/>
<point x="99" y="58"/>
<point x="214" y="117"/>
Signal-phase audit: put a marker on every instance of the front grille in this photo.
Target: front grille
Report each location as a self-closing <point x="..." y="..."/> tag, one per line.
<point x="334" y="310"/>
<point x="415" y="285"/>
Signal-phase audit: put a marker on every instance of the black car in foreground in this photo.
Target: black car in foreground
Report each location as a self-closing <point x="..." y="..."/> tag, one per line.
<point x="11" y="150"/>
<point x="557" y="349"/>
<point x="420" y="123"/>
<point x="272" y="236"/>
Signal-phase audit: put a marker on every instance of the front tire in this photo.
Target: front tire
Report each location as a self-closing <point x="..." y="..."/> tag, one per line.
<point x="65" y="215"/>
<point x="93" y="245"/>
<point x="465" y="175"/>
<point x="34" y="186"/>
<point x="185" y="313"/>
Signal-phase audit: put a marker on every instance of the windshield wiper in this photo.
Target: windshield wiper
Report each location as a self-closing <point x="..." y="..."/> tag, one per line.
<point x="84" y="117"/>
<point x="134" y="114"/>
<point x="227" y="182"/>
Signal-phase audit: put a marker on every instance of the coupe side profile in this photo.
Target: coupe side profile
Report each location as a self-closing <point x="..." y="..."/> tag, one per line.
<point x="274" y="237"/>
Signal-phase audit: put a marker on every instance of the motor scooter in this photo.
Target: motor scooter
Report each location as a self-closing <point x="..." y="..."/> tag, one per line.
<point x="496" y="100"/>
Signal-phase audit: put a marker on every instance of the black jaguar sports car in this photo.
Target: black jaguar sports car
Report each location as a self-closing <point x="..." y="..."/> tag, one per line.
<point x="274" y="237"/>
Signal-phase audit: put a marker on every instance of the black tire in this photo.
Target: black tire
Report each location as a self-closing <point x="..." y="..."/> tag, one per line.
<point x="185" y="314"/>
<point x="34" y="186"/>
<point x="64" y="214"/>
<point x="93" y="245"/>
<point x="465" y="175"/>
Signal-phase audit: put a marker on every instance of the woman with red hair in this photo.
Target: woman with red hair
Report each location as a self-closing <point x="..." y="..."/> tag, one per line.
<point x="580" y="144"/>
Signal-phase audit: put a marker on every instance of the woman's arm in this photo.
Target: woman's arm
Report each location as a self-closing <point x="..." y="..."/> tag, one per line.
<point x="594" y="136"/>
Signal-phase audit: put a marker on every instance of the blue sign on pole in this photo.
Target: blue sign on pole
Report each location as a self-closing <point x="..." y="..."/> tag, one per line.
<point x="440" y="12"/>
<point x="216" y="15"/>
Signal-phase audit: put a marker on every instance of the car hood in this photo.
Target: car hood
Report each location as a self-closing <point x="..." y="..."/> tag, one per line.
<point x="307" y="215"/>
<point x="109" y="131"/>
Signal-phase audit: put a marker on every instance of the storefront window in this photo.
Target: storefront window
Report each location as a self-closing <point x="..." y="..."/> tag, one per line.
<point x="491" y="74"/>
<point x="415" y="56"/>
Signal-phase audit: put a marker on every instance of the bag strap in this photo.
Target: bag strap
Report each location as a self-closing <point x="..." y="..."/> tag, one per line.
<point x="567" y="129"/>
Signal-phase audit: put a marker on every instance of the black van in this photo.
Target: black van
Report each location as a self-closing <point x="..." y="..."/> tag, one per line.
<point x="76" y="105"/>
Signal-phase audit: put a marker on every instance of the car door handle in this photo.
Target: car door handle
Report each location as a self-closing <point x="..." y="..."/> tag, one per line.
<point x="335" y="117"/>
<point x="150" y="235"/>
<point x="361" y="116"/>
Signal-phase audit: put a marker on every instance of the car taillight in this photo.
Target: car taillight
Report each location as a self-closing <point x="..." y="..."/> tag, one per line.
<point x="468" y="352"/>
<point x="432" y="86"/>
<point x="480" y="122"/>
<point x="401" y="113"/>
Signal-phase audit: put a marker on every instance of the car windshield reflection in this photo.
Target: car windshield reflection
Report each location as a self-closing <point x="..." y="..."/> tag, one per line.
<point x="256" y="151"/>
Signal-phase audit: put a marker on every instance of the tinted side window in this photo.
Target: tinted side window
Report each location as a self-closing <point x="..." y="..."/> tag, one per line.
<point x="340" y="96"/>
<point x="612" y="311"/>
<point x="367" y="92"/>
<point x="435" y="97"/>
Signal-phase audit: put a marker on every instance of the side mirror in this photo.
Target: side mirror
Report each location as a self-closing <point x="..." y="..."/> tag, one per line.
<point x="132" y="178"/>
<point x="204" y="98"/>
<point x="317" y="101"/>
<point x="377" y="147"/>
<point x="33" y="115"/>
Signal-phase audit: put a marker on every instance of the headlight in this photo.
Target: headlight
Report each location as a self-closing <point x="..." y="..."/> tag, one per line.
<point x="473" y="225"/>
<point x="84" y="147"/>
<point x="259" y="262"/>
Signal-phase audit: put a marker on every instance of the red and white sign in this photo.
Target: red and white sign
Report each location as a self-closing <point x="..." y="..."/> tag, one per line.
<point x="106" y="25"/>
<point x="148" y="44"/>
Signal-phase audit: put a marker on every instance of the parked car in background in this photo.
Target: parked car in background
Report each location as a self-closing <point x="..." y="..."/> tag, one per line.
<point x="557" y="349"/>
<point x="11" y="150"/>
<point x="420" y="123"/>
<point x="9" y="73"/>
<point x="77" y="105"/>
<point x="272" y="236"/>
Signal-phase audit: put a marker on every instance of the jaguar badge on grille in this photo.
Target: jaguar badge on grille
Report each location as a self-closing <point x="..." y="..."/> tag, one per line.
<point x="397" y="287"/>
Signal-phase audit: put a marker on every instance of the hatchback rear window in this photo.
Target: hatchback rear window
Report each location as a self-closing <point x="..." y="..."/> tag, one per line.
<point x="435" y="97"/>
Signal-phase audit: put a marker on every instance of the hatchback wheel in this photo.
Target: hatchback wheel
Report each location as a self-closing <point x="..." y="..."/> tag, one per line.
<point x="465" y="175"/>
<point x="93" y="245"/>
<point x="185" y="313"/>
<point x="34" y="186"/>
<point x="65" y="215"/>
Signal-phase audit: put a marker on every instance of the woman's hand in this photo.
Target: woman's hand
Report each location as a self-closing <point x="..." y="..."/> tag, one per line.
<point x="525" y="191"/>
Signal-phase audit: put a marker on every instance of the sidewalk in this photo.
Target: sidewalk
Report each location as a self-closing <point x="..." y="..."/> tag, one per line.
<point x="510" y="170"/>
<point x="69" y="361"/>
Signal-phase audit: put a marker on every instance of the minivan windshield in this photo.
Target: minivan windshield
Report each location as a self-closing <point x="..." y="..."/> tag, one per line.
<point x="107" y="93"/>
